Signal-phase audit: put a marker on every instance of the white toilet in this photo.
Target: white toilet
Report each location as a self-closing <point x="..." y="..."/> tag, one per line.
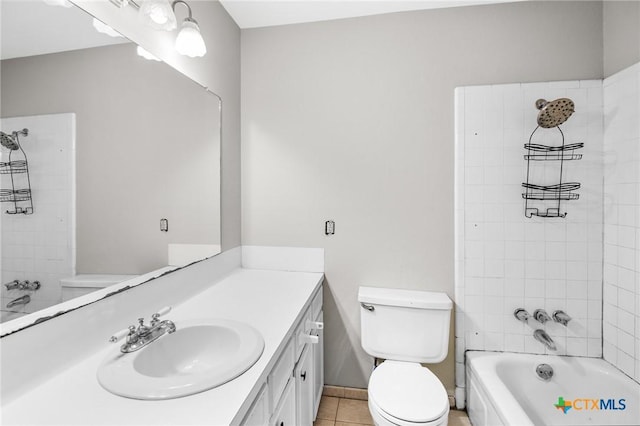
<point x="405" y="328"/>
<point x="81" y="284"/>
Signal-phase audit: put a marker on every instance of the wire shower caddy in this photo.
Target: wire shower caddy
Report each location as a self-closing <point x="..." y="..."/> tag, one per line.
<point x="549" y="194"/>
<point x="19" y="194"/>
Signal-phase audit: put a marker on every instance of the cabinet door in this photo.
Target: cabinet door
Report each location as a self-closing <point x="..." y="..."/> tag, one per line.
<point x="285" y="414"/>
<point x="318" y="367"/>
<point x="304" y="387"/>
<point x="258" y="414"/>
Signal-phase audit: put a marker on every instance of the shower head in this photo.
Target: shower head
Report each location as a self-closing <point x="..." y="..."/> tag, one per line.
<point x="554" y="113"/>
<point x="9" y="141"/>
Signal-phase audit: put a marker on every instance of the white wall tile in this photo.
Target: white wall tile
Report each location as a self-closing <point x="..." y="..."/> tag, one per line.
<point x="621" y="97"/>
<point x="530" y="262"/>
<point x="578" y="282"/>
<point x="41" y="246"/>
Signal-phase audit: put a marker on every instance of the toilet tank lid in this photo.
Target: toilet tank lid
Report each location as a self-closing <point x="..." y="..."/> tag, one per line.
<point x="94" y="280"/>
<point x="404" y="298"/>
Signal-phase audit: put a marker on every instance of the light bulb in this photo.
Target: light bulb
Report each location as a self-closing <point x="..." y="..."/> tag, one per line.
<point x="158" y="14"/>
<point x="146" y="54"/>
<point x="189" y="41"/>
<point x="103" y="28"/>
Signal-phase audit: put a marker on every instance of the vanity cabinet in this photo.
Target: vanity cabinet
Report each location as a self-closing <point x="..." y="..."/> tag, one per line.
<point x="292" y="392"/>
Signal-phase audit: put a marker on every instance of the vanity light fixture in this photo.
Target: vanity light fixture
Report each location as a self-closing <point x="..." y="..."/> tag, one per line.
<point x="189" y="41"/>
<point x="122" y="3"/>
<point x="63" y="3"/>
<point x="158" y="14"/>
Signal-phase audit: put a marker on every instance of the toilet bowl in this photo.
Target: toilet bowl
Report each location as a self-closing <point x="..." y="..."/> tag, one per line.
<point x="406" y="328"/>
<point x="407" y="394"/>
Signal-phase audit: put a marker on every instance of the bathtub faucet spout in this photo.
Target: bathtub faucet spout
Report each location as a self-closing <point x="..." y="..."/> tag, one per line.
<point x="542" y="337"/>
<point x="23" y="300"/>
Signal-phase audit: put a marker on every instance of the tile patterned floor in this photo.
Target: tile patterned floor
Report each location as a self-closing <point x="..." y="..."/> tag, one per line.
<point x="335" y="411"/>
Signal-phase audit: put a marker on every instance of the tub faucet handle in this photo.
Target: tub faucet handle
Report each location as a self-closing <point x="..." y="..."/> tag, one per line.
<point x="541" y="315"/>
<point x="521" y="314"/>
<point x="12" y="285"/>
<point x="561" y="317"/>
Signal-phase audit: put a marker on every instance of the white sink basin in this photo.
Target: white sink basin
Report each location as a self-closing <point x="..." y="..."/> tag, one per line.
<point x="200" y="355"/>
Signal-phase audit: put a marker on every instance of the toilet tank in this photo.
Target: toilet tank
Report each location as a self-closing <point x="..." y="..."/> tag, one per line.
<point x="81" y="284"/>
<point x="405" y="325"/>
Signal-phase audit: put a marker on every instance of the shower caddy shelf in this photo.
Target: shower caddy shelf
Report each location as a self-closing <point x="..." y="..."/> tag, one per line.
<point x="562" y="191"/>
<point x="16" y="194"/>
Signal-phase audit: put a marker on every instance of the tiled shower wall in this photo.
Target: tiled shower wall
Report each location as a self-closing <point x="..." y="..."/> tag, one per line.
<point x="621" y="310"/>
<point x="505" y="260"/>
<point x="41" y="246"/>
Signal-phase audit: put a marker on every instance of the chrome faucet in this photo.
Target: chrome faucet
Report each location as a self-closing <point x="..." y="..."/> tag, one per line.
<point x="141" y="336"/>
<point x="22" y="300"/>
<point x="521" y="314"/>
<point x="541" y="315"/>
<point x="542" y="337"/>
<point x="561" y="317"/>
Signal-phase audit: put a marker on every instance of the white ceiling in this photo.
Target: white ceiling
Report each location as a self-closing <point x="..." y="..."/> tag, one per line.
<point x="31" y="27"/>
<point x="265" y="13"/>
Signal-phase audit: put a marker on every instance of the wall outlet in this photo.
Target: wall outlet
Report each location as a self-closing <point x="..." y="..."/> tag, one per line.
<point x="329" y="227"/>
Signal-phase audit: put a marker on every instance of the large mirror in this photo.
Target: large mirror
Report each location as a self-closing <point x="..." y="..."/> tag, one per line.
<point x="122" y="171"/>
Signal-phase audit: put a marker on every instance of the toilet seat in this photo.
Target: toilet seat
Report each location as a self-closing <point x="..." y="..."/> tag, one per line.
<point x="381" y="418"/>
<point x="405" y="393"/>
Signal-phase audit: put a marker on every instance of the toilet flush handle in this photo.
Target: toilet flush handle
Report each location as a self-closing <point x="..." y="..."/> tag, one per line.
<point x="369" y="308"/>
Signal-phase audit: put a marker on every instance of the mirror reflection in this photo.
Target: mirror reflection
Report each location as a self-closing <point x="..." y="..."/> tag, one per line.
<point x="116" y="172"/>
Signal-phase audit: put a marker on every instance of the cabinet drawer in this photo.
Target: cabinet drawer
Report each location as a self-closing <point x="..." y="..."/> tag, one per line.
<point x="281" y="373"/>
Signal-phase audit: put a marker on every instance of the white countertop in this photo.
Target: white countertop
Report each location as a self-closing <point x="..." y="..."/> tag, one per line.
<point x="270" y="301"/>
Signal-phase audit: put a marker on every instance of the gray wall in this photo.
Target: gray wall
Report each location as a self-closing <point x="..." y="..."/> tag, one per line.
<point x="621" y="31"/>
<point x="219" y="70"/>
<point x="147" y="148"/>
<point x="352" y="120"/>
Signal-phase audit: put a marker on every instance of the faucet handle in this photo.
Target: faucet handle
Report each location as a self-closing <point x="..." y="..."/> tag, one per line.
<point x="12" y="285"/>
<point x="122" y="334"/>
<point x="521" y="314"/>
<point x="561" y="316"/>
<point x="541" y="316"/>
<point x="161" y="312"/>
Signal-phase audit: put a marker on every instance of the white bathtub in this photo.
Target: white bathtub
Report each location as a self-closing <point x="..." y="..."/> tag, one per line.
<point x="6" y="315"/>
<point x="504" y="389"/>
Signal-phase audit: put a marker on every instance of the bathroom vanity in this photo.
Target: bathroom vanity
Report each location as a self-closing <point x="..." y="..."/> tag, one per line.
<point x="282" y="388"/>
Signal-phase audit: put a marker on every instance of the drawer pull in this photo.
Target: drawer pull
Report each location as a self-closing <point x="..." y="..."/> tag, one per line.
<point x="304" y="376"/>
<point x="306" y="338"/>
<point x="369" y="308"/>
<point x="315" y="325"/>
